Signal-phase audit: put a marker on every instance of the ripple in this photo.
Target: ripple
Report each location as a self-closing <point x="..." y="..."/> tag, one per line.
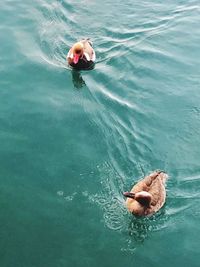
<point x="124" y="93"/>
<point x="115" y="215"/>
<point x="53" y="22"/>
<point x="110" y="198"/>
<point x="136" y="111"/>
<point x="58" y="29"/>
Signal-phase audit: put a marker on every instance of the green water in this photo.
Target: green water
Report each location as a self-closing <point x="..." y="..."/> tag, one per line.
<point x="71" y="143"/>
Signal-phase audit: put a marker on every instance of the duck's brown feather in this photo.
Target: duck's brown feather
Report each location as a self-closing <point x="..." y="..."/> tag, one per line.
<point x="155" y="185"/>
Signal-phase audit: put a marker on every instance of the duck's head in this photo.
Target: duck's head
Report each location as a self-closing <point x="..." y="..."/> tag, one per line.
<point x="143" y="198"/>
<point x="77" y="51"/>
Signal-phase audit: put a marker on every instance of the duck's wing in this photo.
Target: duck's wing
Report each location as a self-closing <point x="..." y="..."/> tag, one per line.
<point x="89" y="50"/>
<point x="154" y="176"/>
<point x="157" y="190"/>
<point x="140" y="186"/>
<point x="146" y="183"/>
<point x="70" y="54"/>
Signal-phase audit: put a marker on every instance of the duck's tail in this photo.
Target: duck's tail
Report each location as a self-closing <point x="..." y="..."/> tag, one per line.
<point x="155" y="175"/>
<point x="163" y="176"/>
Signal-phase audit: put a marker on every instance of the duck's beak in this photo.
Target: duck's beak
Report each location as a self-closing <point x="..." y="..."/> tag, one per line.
<point x="76" y="58"/>
<point x="129" y="194"/>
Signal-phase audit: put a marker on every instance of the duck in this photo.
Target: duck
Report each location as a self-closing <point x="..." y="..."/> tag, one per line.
<point x="148" y="195"/>
<point x="81" y="55"/>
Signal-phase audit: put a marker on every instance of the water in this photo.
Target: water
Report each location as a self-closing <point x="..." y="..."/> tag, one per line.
<point x="71" y="143"/>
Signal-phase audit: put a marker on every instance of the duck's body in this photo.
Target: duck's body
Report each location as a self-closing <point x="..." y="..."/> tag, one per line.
<point x="148" y="195"/>
<point x="81" y="55"/>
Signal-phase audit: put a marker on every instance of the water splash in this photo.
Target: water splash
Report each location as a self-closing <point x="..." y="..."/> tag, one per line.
<point x="115" y="215"/>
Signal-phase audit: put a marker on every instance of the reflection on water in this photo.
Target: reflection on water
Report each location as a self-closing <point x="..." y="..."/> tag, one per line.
<point x="77" y="79"/>
<point x="140" y="227"/>
<point x="138" y="230"/>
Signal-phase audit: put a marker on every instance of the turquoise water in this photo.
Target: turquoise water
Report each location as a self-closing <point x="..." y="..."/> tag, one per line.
<point x="71" y="143"/>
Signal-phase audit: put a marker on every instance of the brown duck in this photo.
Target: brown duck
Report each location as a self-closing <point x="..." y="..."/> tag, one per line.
<point x="148" y="195"/>
<point x="81" y="55"/>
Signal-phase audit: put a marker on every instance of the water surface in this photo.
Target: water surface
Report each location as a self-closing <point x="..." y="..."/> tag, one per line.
<point x="71" y="143"/>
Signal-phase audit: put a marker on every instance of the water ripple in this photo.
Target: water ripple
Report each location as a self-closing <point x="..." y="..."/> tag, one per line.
<point x="126" y="92"/>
